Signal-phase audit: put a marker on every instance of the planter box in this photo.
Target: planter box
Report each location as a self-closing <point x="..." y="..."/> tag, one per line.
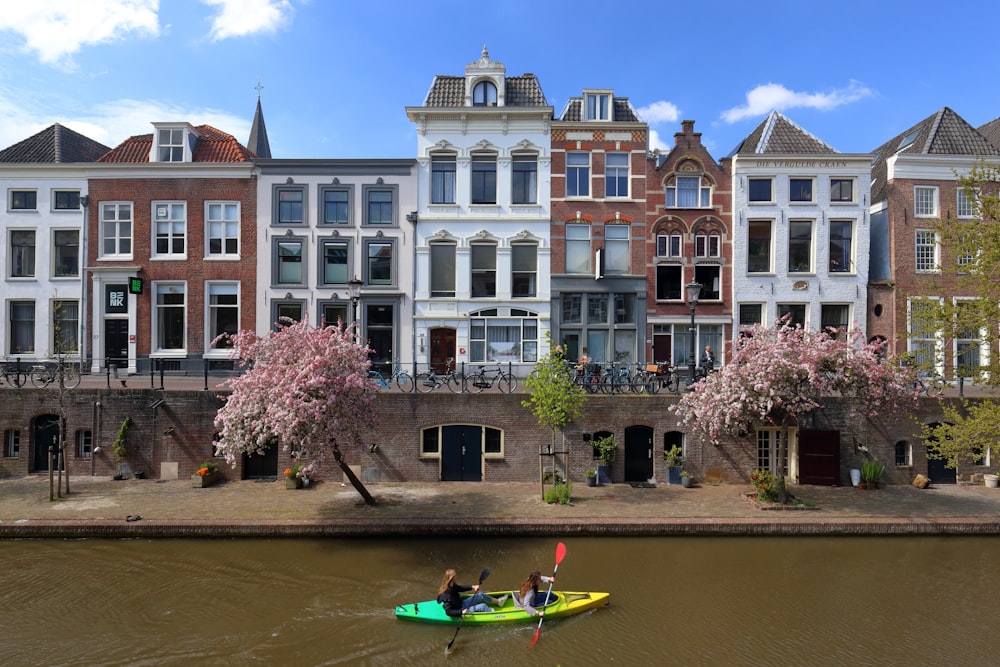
<point x="201" y="481"/>
<point x="674" y="474"/>
<point x="603" y="474"/>
<point x="293" y="482"/>
<point x="991" y="481"/>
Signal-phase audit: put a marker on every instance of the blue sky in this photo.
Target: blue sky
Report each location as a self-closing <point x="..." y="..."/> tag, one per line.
<point x="338" y="74"/>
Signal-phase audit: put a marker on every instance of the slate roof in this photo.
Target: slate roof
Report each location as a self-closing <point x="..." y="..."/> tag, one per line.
<point x="212" y="146"/>
<point x="942" y="133"/>
<point x="622" y="109"/>
<point x="258" y="143"/>
<point x="991" y="131"/>
<point x="55" y="144"/>
<point x="519" y="91"/>
<point x="777" y="134"/>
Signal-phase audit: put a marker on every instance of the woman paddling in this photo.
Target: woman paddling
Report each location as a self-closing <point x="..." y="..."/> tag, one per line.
<point x="525" y="599"/>
<point x="450" y="595"/>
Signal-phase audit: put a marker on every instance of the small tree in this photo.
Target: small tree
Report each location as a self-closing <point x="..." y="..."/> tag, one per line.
<point x="778" y="374"/>
<point x="306" y="387"/>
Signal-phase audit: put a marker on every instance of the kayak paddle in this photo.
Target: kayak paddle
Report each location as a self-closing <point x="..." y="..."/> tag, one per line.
<point x="482" y="577"/>
<point x="560" y="554"/>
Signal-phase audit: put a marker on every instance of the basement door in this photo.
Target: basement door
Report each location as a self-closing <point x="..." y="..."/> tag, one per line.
<point x="46" y="435"/>
<point x="819" y="457"/>
<point x="257" y="466"/>
<point x="461" y="453"/>
<point x="638" y="454"/>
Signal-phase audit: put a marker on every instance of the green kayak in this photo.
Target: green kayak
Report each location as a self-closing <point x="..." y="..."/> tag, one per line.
<point x="562" y="603"/>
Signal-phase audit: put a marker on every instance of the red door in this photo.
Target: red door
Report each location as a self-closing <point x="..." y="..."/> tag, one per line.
<point x="442" y="349"/>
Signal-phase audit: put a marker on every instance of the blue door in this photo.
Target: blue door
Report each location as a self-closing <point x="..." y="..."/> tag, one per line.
<point x="461" y="453"/>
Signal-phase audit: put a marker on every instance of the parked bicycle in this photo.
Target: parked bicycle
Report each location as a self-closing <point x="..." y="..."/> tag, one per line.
<point x="15" y="373"/>
<point x="616" y="379"/>
<point x="400" y="377"/>
<point x="66" y="374"/>
<point x="430" y="379"/>
<point x="587" y="376"/>
<point x="929" y="385"/>
<point x="487" y="376"/>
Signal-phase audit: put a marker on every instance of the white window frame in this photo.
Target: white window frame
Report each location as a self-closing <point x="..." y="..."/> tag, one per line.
<point x="119" y="224"/>
<point x="618" y="249"/>
<point x="613" y="174"/>
<point x="964" y="206"/>
<point x="520" y="269"/>
<point x="830" y="254"/>
<point x="852" y="182"/>
<point x="170" y="144"/>
<point x="444" y="178"/>
<point x="441" y="274"/>
<point x="598" y="106"/>
<point x="926" y="344"/>
<point x="12" y="443"/>
<point x="925" y="201"/>
<point x="907" y="454"/>
<point x="12" y="195"/>
<point x="810" y="250"/>
<point x="926" y="251"/>
<point x="73" y="345"/>
<point x="28" y="258"/>
<point x="707" y="245"/>
<point x="770" y="247"/>
<point x="979" y="341"/>
<point x="162" y="215"/>
<point x="84" y="440"/>
<point x="213" y="289"/>
<point x="669" y="245"/>
<point x="812" y="190"/>
<point x="162" y="288"/>
<point x="760" y="202"/>
<point x="577" y="169"/>
<point x="62" y="191"/>
<point x="74" y="273"/>
<point x="703" y="193"/>
<point x="222" y="228"/>
<point x="482" y="264"/>
<point x="580" y="245"/>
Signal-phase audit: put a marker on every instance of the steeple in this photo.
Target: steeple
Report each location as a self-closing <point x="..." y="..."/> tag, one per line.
<point x="258" y="131"/>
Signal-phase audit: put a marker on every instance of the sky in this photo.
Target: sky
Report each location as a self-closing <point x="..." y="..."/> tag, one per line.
<point x="335" y="76"/>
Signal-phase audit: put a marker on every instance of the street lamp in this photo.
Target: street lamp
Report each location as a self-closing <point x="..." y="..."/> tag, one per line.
<point x="354" y="289"/>
<point x="693" y="290"/>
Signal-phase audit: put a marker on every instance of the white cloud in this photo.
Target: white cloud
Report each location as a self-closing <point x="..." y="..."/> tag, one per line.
<point x="238" y="18"/>
<point x="56" y="29"/>
<point x="659" y="112"/>
<point x="656" y="143"/>
<point x="773" y="96"/>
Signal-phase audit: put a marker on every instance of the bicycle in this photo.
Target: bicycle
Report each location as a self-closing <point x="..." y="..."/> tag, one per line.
<point x="664" y="376"/>
<point x="929" y="385"/>
<point x="430" y="379"/>
<point x="399" y="376"/>
<point x="487" y="376"/>
<point x="616" y="380"/>
<point x="587" y="376"/>
<point x="42" y="375"/>
<point x="15" y="374"/>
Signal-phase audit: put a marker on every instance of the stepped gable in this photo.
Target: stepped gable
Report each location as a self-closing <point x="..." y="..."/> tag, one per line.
<point x="621" y="107"/>
<point x="942" y="133"/>
<point x="778" y="134"/>
<point x="55" y="144"/>
<point x="212" y="146"/>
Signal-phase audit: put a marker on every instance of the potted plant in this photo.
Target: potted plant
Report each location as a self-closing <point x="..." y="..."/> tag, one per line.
<point x="120" y="448"/>
<point x="992" y="481"/>
<point x="605" y="447"/>
<point x="672" y="459"/>
<point x="591" y="476"/>
<point x="686" y="479"/>
<point x="206" y="475"/>
<point x="871" y="473"/>
<point x="293" y="476"/>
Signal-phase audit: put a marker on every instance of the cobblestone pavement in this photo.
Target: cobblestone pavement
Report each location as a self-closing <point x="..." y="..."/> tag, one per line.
<point x="99" y="506"/>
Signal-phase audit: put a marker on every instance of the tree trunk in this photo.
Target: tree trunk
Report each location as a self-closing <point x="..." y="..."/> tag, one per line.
<point x="355" y="482"/>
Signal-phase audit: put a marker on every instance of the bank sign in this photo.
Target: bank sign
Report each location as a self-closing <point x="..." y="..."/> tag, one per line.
<point x="116" y="299"/>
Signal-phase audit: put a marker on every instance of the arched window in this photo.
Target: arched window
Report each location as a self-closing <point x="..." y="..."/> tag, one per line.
<point x="484" y="94"/>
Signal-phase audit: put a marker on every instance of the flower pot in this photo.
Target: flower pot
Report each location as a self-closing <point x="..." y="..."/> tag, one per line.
<point x="592" y="480"/>
<point x="293" y="482"/>
<point x="201" y="481"/>
<point x="855" y="476"/>
<point x="674" y="474"/>
<point x="603" y="474"/>
<point x="686" y="482"/>
<point x="992" y="481"/>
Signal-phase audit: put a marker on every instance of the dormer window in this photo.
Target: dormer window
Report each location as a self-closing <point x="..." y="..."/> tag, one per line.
<point x="170" y="145"/>
<point x="597" y="105"/>
<point x="484" y="94"/>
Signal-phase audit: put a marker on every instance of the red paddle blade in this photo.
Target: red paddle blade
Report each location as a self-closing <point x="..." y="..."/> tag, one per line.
<point x="560" y="552"/>
<point x="538" y="631"/>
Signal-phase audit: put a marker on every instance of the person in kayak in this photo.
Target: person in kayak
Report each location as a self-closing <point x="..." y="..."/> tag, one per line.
<point x="525" y="599"/>
<point x="450" y="595"/>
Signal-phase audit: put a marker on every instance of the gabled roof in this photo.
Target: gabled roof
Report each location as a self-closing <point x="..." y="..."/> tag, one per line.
<point x="519" y="91"/>
<point x="53" y="145"/>
<point x="212" y="145"/>
<point x="942" y="133"/>
<point x="777" y="134"/>
<point x="621" y="107"/>
<point x="258" y="143"/>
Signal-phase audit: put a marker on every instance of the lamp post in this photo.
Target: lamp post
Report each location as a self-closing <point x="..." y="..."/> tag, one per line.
<point x="354" y="289"/>
<point x="693" y="290"/>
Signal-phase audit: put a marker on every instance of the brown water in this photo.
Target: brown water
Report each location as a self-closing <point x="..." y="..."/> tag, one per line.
<point x="693" y="601"/>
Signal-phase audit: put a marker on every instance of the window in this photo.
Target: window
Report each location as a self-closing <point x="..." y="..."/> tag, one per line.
<point x="841" y="246"/>
<point x="65" y="326"/>
<point x="759" y="246"/>
<point x="597" y="310"/>
<point x="379" y="266"/>
<point x="171" y="145"/>
<point x="707" y="245"/>
<point x="336" y="206"/>
<point x="842" y="190"/>
<point x="23" y="200"/>
<point x="66" y="253"/>
<point x="835" y="316"/>
<point x="577" y="248"/>
<point x="751" y="314"/>
<point x="964" y="205"/>
<point x="926" y="252"/>
<point x="22" y="253"/>
<point x="524" y="180"/>
<point x="669" y="284"/>
<point x="760" y="190"/>
<point x="598" y="106"/>
<point x="794" y="312"/>
<point x="170" y="225"/>
<point x="289" y="206"/>
<point x="524" y="270"/>
<point x="442" y="270"/>
<point x="768" y="440"/>
<point x="925" y="202"/>
<point x="968" y="346"/>
<point x="84" y="444"/>
<point x="334" y="262"/>
<point x="908" y="139"/>
<point x="443" y="179"/>
<point x="708" y="276"/>
<point x="904" y="454"/>
<point x="616" y="175"/>
<point x="22" y="327"/>
<point x="66" y="200"/>
<point x="484" y="270"/>
<point x="288" y="262"/>
<point x="491" y="444"/>
<point x="572" y="308"/>
<point x="223" y="220"/>
<point x="503" y="339"/>
<point x="800" y="190"/>
<point x="334" y="313"/>
<point x="688" y="192"/>
<point x="168" y="317"/>
<point x="668" y="245"/>
<point x="617" y="248"/>
<point x="484" y="179"/>
<point x="484" y="94"/>
<point x="925" y="338"/>
<point x="577" y="174"/>
<point x="800" y="246"/>
<point x="285" y="311"/>
<point x="12" y="443"/>
<point x="379" y="206"/>
<point x="223" y="314"/>
<point x="116" y="229"/>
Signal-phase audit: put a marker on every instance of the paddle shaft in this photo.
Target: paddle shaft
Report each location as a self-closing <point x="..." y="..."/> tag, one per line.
<point x="482" y="577"/>
<point x="560" y="554"/>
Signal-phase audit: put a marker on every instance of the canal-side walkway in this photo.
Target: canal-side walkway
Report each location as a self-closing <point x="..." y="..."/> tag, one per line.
<point x="101" y="507"/>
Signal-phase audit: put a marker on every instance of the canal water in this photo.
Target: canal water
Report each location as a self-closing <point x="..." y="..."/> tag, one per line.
<point x="691" y="601"/>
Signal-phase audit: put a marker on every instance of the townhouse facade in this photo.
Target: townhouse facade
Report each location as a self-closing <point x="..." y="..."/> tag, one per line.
<point x="598" y="231"/>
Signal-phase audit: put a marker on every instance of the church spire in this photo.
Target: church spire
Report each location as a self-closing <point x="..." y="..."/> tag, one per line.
<point x="258" y="131"/>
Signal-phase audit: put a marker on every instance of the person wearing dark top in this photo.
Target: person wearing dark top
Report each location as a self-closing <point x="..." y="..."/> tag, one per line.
<point x="708" y="359"/>
<point x="450" y="595"/>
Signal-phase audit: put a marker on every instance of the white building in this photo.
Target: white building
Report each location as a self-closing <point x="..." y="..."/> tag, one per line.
<point x="482" y="226"/>
<point x="800" y="229"/>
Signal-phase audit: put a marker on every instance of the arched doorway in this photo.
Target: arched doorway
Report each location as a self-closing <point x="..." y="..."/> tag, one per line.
<point x="46" y="435"/>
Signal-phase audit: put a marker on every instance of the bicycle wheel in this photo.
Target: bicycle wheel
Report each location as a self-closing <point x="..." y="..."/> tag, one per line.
<point x="456" y="382"/>
<point x="639" y="382"/>
<point x="425" y="382"/>
<point x="506" y="383"/>
<point x="935" y="386"/>
<point x="654" y="383"/>
<point x="70" y="377"/>
<point x="404" y="382"/>
<point x="477" y="383"/>
<point x="40" y="377"/>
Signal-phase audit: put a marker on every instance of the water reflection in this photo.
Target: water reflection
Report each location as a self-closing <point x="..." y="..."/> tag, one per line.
<point x="710" y="601"/>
